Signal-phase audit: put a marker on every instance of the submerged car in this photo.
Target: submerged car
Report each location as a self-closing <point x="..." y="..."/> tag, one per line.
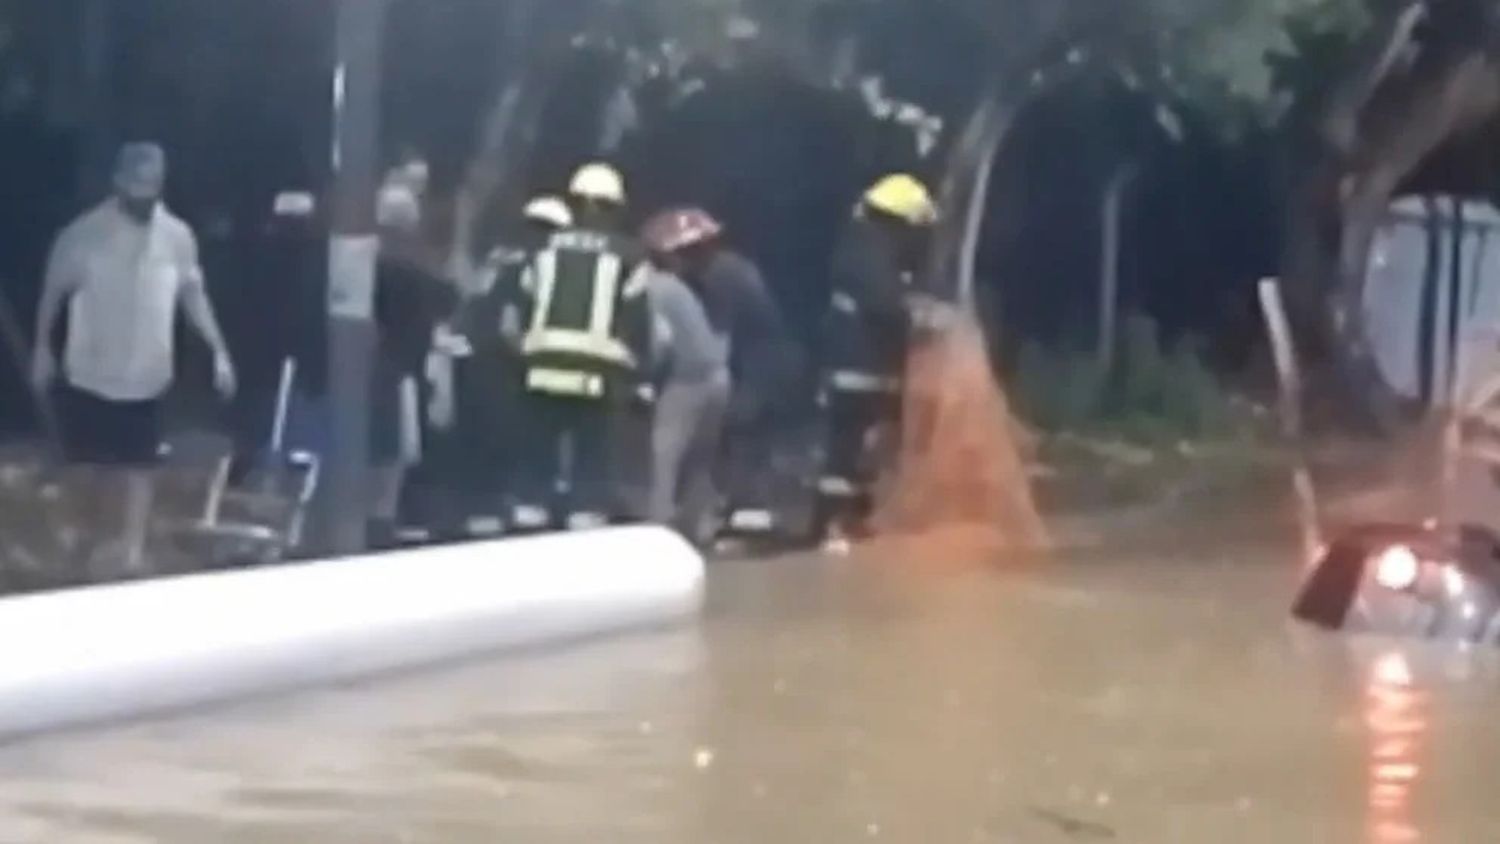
<point x="1438" y="580"/>
<point x="1407" y="581"/>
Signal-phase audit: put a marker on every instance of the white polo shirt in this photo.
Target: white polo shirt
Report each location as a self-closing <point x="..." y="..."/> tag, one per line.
<point x="123" y="281"/>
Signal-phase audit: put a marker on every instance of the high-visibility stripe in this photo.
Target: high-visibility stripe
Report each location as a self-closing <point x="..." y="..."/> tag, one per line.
<point x="752" y="520"/>
<point x="845" y="304"/>
<point x="546" y="271"/>
<point x="597" y="338"/>
<point x="410" y="430"/>
<point x="569" y="342"/>
<point x="606" y="291"/>
<point x="854" y="381"/>
<point x="565" y="383"/>
<point x="441" y="404"/>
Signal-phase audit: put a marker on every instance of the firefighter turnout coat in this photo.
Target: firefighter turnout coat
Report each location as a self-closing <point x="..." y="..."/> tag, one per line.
<point x="587" y="319"/>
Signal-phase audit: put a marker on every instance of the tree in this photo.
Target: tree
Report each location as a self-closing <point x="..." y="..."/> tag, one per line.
<point x="1360" y="91"/>
<point x="1417" y="75"/>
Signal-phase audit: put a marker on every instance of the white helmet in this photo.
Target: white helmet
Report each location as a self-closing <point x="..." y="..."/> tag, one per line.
<point x="549" y="210"/>
<point x="397" y="207"/>
<point x="599" y="182"/>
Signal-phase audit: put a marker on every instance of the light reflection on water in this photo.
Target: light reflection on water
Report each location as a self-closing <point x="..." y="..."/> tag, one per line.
<point x="1396" y="718"/>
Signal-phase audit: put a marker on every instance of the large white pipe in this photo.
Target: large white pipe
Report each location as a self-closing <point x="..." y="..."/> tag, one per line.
<point x="110" y="653"/>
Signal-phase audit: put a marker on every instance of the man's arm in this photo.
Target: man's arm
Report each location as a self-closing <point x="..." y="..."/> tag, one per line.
<point x="200" y="313"/>
<point x="61" y="281"/>
<point x="638" y="319"/>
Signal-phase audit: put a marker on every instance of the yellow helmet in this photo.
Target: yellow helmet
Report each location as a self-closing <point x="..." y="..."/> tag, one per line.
<point x="599" y="182"/>
<point x="549" y="210"/>
<point x="904" y="197"/>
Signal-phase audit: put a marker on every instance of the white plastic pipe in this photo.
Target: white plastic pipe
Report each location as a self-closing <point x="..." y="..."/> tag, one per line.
<point x="110" y="653"/>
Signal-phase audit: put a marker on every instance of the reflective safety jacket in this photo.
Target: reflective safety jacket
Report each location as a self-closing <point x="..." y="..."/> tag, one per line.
<point x="587" y="323"/>
<point x="868" y="324"/>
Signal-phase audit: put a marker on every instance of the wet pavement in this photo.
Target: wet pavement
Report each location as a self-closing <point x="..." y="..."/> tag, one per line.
<point x="1157" y="695"/>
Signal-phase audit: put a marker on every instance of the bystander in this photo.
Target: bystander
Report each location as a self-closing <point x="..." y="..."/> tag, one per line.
<point x="124" y="270"/>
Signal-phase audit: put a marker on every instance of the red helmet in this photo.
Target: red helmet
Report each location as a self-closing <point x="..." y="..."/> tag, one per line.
<point x="677" y="229"/>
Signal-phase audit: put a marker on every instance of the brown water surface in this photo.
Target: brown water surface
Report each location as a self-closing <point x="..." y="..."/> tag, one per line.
<point x="1157" y="695"/>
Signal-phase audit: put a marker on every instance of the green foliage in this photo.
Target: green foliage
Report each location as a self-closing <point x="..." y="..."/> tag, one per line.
<point x="1223" y="58"/>
<point x="1059" y="392"/>
<point x="1154" y="396"/>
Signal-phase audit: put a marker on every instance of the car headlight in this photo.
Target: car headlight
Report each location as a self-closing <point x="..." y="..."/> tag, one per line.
<point x="1397" y="568"/>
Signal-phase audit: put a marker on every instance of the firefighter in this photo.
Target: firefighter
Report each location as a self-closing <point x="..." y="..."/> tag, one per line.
<point x="586" y="340"/>
<point x="473" y="378"/>
<point x="869" y="327"/>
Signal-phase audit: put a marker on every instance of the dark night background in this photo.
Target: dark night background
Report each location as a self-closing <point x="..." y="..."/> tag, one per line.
<point x="238" y="92"/>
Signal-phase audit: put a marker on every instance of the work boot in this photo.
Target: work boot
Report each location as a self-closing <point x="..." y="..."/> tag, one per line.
<point x="529" y="518"/>
<point x="380" y="535"/>
<point x="115" y="561"/>
<point x="587" y="521"/>
<point x="411" y="536"/>
<point x="484" y="527"/>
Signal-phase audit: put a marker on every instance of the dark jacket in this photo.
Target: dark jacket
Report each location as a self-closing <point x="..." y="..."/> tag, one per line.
<point x="481" y="315"/>
<point x="740" y="307"/>
<point x="868" y="323"/>
<point x="409" y="303"/>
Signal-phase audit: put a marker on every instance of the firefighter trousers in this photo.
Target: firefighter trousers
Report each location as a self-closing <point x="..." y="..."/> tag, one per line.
<point x="565" y="466"/>
<point x="862" y="431"/>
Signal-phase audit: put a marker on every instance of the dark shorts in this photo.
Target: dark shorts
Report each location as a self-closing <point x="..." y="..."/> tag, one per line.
<point x="100" y="431"/>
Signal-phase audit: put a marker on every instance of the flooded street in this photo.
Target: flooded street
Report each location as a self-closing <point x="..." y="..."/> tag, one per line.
<point x="1142" y="697"/>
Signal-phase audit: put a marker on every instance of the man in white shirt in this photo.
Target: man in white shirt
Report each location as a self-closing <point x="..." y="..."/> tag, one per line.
<point x="123" y="270"/>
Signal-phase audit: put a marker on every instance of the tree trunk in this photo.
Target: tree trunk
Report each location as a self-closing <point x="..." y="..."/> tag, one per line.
<point x="1111" y="211"/>
<point x="1375" y="60"/>
<point x="1457" y="96"/>
<point x="953" y="255"/>
<point x="506" y="131"/>
<point x="977" y="143"/>
<point x="979" y="201"/>
<point x="1337" y="206"/>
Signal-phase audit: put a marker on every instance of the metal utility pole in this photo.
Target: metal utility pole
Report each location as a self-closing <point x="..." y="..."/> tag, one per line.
<point x="359" y="28"/>
<point x="1112" y="210"/>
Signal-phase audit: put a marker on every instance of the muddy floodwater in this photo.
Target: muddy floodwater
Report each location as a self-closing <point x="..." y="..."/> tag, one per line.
<point x="1150" y="695"/>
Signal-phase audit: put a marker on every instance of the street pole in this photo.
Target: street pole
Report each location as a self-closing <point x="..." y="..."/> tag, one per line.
<point x="1109" y="264"/>
<point x="351" y="270"/>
